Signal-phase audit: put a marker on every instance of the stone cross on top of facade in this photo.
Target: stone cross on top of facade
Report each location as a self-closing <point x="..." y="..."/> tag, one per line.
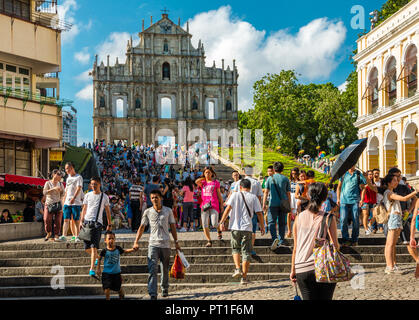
<point x="165" y="12"/>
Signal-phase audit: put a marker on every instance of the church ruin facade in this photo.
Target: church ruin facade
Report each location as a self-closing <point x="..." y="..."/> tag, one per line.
<point x="164" y="89"/>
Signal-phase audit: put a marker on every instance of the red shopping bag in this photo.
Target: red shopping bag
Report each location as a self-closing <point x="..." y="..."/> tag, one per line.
<point x="178" y="269"/>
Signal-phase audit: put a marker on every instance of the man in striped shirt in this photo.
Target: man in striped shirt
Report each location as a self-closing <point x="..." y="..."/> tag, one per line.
<point x="136" y="202"/>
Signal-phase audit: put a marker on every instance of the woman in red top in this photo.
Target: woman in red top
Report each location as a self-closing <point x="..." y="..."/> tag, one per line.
<point x="367" y="203"/>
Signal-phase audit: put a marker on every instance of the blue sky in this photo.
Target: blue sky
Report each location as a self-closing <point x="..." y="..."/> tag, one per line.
<point x="313" y="37"/>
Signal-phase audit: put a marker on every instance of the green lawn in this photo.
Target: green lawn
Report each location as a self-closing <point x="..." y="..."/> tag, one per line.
<point x="269" y="157"/>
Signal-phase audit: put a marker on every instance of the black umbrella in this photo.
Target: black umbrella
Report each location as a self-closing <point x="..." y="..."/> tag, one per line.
<point x="348" y="158"/>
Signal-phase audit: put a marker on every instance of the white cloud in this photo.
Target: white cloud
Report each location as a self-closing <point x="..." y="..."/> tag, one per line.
<point x="86" y="93"/>
<point x="115" y="46"/>
<point x="342" y="87"/>
<point x="84" y="76"/>
<point x="312" y="51"/>
<point x="82" y="56"/>
<point x="66" y="12"/>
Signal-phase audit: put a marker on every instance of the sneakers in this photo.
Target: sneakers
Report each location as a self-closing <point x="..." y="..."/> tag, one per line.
<point x="92" y="273"/>
<point x="237" y="274"/>
<point x="389" y="270"/>
<point x="62" y="238"/>
<point x="165" y="294"/>
<point x="275" y="244"/>
<point x="405" y="242"/>
<point x="368" y="231"/>
<point x="397" y="270"/>
<point x="253" y="253"/>
<point x="73" y="239"/>
<point x="182" y="230"/>
<point x="77" y="240"/>
<point x="244" y="281"/>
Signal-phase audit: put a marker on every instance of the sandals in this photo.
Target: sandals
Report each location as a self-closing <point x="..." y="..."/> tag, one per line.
<point x="209" y="244"/>
<point x="47" y="237"/>
<point x="220" y="235"/>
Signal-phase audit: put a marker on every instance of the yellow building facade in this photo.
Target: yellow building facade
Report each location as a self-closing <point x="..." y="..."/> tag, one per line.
<point x="30" y="109"/>
<point x="388" y="95"/>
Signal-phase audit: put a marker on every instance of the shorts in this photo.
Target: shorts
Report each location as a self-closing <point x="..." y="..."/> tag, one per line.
<point x="111" y="281"/>
<point x="241" y="242"/>
<point x="71" y="211"/>
<point x="395" y="221"/>
<point x="197" y="213"/>
<point x="367" y="206"/>
<point x="207" y="215"/>
<point x="95" y="240"/>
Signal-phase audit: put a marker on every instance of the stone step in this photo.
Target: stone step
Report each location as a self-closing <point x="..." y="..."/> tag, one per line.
<point x="92" y="290"/>
<point x="133" y="278"/>
<point x="189" y="251"/>
<point x="211" y="260"/>
<point x="126" y="241"/>
<point x="194" y="268"/>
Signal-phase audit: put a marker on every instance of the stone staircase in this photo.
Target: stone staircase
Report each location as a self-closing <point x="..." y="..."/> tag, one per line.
<point x="26" y="267"/>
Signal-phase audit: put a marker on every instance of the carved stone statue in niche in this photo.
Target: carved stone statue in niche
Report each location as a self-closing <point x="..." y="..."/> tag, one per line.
<point x="138" y="103"/>
<point x="102" y="103"/>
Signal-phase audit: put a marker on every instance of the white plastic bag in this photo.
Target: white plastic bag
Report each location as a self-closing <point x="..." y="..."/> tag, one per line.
<point x="183" y="258"/>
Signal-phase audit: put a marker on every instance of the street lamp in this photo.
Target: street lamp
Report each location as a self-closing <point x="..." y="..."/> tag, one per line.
<point x="330" y="144"/>
<point x="334" y="141"/>
<point x="300" y="140"/>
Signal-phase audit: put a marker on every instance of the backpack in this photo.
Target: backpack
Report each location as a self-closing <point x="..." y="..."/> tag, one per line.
<point x="380" y="212"/>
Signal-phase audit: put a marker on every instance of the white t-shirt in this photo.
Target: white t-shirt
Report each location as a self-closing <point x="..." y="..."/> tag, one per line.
<point x="256" y="188"/>
<point x="71" y="186"/>
<point x="235" y="186"/>
<point x="395" y="208"/>
<point x="239" y="216"/>
<point x="92" y="201"/>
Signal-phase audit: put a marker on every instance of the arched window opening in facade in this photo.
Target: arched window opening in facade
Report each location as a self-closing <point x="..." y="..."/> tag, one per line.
<point x="166" y="108"/>
<point x="411" y="69"/>
<point x="371" y="93"/>
<point x="119" y="108"/>
<point x="391" y="81"/>
<point x="166" y="71"/>
<point x="211" y="110"/>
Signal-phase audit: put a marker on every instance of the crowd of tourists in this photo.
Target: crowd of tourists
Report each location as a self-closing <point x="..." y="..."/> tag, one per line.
<point x="137" y="192"/>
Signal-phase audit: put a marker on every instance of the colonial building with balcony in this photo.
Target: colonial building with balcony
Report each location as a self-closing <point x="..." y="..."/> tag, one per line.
<point x="388" y="96"/>
<point x="30" y="108"/>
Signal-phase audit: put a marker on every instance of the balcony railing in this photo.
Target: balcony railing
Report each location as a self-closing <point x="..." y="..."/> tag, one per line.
<point x="45" y="13"/>
<point x="53" y="75"/>
<point x="25" y="96"/>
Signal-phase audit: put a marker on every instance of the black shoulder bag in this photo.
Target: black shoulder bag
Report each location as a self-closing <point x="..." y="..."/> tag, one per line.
<point x="87" y="229"/>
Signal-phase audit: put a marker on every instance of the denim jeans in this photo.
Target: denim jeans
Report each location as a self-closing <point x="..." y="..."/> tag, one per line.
<point x="275" y="215"/>
<point x="345" y="211"/>
<point x="154" y="255"/>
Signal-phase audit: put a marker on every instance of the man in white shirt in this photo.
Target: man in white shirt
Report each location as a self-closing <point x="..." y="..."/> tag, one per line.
<point x="256" y="189"/>
<point x="72" y="202"/>
<point x="243" y="206"/>
<point x="93" y="215"/>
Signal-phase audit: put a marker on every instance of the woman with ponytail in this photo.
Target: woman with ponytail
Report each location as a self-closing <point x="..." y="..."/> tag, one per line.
<point x="306" y="228"/>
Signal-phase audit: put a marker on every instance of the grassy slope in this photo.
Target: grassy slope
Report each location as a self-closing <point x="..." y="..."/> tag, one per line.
<point x="269" y="157"/>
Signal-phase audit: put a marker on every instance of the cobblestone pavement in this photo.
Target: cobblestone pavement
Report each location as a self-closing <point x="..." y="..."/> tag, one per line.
<point x="375" y="285"/>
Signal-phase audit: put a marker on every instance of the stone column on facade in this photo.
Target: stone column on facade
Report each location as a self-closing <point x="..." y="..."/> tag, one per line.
<point x="108" y="132"/>
<point x="400" y="154"/>
<point x="131" y="109"/>
<point x="95" y="133"/>
<point x="201" y="102"/>
<point x="153" y="131"/>
<point x="144" y="136"/>
<point x="131" y="132"/>
<point x="144" y="103"/>
<point x="154" y="112"/>
<point x="399" y="66"/>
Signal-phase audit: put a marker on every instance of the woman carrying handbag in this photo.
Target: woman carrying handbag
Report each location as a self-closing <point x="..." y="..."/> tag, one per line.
<point x="305" y="230"/>
<point x="53" y="191"/>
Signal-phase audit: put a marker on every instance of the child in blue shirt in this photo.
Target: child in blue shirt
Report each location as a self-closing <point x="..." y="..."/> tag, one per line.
<point x="111" y="276"/>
